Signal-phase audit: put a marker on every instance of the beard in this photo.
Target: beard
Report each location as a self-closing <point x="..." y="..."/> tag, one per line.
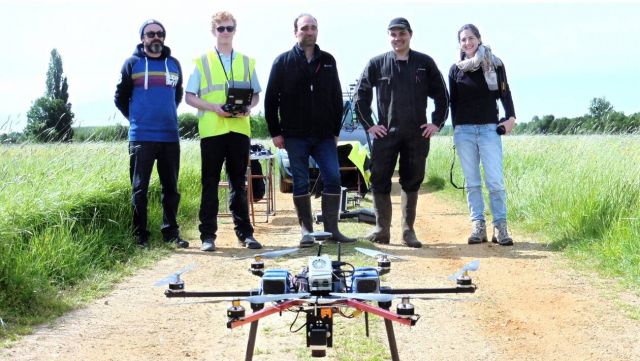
<point x="156" y="47"/>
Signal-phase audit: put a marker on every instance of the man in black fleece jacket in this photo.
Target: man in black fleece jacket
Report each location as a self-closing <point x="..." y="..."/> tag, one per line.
<point x="303" y="109"/>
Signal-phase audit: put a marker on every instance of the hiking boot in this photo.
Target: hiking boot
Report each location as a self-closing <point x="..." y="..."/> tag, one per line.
<point x="501" y="235"/>
<point x="478" y="232"/>
<point x="408" y="203"/>
<point x="250" y="242"/>
<point x="208" y="245"/>
<point x="305" y="219"/>
<point x="330" y="215"/>
<point x="179" y="242"/>
<point x="382" y="207"/>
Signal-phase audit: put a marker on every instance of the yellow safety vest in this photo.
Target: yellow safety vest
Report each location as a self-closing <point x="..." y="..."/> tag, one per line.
<point x="213" y="88"/>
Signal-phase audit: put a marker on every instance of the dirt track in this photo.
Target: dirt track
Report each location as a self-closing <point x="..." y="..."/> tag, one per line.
<point x="529" y="306"/>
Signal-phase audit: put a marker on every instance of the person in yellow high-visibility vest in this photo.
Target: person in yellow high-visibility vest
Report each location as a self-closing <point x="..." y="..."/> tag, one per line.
<point x="224" y="133"/>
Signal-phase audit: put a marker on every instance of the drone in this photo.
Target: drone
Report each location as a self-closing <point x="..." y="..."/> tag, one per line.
<point x="322" y="290"/>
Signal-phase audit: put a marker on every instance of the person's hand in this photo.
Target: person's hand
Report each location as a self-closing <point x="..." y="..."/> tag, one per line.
<point x="278" y="141"/>
<point x="377" y="131"/>
<point x="217" y="108"/>
<point x="509" y="124"/>
<point x="429" y="129"/>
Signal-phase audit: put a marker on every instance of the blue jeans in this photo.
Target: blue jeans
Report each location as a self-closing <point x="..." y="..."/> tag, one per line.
<point x="475" y="144"/>
<point x="324" y="152"/>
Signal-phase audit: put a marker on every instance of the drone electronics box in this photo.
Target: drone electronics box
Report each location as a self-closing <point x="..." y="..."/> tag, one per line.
<point x="275" y="281"/>
<point x="365" y="280"/>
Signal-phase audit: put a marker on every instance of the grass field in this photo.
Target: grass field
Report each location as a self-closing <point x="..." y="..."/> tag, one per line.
<point x="64" y="233"/>
<point x="581" y="194"/>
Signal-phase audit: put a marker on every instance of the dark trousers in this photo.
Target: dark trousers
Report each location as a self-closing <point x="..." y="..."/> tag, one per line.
<point x="232" y="149"/>
<point x="412" y="150"/>
<point x="142" y="156"/>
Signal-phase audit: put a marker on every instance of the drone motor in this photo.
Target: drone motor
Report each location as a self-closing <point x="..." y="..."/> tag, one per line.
<point x="235" y="311"/>
<point x="177" y="284"/>
<point x="405" y="309"/>
<point x="257" y="266"/>
<point x="384" y="264"/>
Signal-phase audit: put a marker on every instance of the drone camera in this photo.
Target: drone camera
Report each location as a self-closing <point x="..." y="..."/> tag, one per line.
<point x="365" y="280"/>
<point x="275" y="281"/>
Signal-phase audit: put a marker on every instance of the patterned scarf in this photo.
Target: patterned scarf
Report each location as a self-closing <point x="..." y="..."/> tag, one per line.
<point x="487" y="60"/>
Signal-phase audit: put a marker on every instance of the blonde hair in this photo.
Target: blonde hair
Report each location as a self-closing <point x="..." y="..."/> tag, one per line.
<point x="219" y="17"/>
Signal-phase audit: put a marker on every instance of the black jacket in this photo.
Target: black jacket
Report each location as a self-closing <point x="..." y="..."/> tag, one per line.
<point x="304" y="99"/>
<point x="471" y="100"/>
<point x="424" y="81"/>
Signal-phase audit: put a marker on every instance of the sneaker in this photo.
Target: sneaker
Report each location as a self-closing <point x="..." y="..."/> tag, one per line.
<point x="208" y="245"/>
<point x="478" y="232"/>
<point x="501" y="235"/>
<point x="179" y="242"/>
<point x="250" y="243"/>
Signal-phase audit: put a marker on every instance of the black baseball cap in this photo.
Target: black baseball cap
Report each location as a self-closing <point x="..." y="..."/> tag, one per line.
<point x="401" y="23"/>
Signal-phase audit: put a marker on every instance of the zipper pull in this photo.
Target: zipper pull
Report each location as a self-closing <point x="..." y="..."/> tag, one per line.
<point x="311" y="86"/>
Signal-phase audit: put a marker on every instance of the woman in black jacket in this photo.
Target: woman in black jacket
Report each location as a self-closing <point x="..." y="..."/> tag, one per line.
<point x="476" y="82"/>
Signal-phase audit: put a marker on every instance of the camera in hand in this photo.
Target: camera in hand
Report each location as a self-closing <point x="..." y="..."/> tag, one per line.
<point x="501" y="129"/>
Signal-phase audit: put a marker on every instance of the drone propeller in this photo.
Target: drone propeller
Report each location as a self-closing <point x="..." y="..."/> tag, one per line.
<point x="272" y="254"/>
<point x="471" y="266"/>
<point x="378" y="297"/>
<point x="376" y="253"/>
<point x="275" y="298"/>
<point x="174" y="277"/>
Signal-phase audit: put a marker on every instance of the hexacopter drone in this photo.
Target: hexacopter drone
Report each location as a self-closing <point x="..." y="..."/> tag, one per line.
<point x="321" y="290"/>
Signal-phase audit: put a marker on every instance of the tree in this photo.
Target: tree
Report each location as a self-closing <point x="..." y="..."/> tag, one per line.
<point x="599" y="108"/>
<point x="50" y="117"/>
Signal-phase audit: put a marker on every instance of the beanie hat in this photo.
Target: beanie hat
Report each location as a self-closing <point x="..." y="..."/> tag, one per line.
<point x="149" y="22"/>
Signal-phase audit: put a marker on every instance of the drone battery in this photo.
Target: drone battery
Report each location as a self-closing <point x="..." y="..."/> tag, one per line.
<point x="275" y="281"/>
<point x="365" y="280"/>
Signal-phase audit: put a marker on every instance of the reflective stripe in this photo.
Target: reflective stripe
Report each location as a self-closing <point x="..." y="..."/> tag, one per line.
<point x="207" y="74"/>
<point x="245" y="60"/>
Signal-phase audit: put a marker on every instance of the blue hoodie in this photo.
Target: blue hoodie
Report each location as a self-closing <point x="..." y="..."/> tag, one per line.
<point x="148" y="95"/>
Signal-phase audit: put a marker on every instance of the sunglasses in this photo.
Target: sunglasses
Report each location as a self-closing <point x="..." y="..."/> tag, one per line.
<point x="153" y="34"/>
<point x="229" y="29"/>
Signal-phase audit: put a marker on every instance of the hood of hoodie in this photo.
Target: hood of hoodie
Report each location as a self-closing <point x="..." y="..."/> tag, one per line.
<point x="139" y="51"/>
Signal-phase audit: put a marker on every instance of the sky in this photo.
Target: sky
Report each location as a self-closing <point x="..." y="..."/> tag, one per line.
<point x="558" y="54"/>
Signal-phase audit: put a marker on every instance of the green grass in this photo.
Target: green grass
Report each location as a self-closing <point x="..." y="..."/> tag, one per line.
<point x="581" y="194"/>
<point x="66" y="221"/>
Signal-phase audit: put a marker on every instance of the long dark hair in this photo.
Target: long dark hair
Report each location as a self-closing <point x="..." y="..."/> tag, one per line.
<point x="474" y="30"/>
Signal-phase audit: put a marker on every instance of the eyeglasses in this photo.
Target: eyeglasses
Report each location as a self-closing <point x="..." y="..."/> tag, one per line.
<point x="229" y="29"/>
<point x="153" y="34"/>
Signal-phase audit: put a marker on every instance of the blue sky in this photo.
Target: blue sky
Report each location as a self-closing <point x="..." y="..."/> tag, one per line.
<point x="558" y="55"/>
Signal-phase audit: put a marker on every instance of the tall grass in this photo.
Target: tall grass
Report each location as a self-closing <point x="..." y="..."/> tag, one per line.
<point x="580" y="193"/>
<point x="66" y="216"/>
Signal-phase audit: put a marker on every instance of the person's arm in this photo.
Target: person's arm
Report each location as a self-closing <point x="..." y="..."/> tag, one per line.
<point x="124" y="88"/>
<point x="364" y="95"/>
<point x="337" y="100"/>
<point x="453" y="91"/>
<point x="438" y="92"/>
<point x="505" y="93"/>
<point x="179" y="90"/>
<point x="272" y="100"/>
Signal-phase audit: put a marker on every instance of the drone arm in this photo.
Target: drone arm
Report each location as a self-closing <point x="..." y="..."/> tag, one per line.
<point x="174" y="293"/>
<point x="414" y="291"/>
<point x="388" y="315"/>
<point x="263" y="313"/>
